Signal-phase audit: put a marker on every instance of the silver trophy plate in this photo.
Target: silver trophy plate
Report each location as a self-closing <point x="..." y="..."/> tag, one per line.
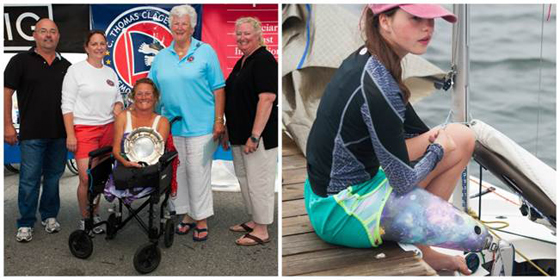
<point x="144" y="144"/>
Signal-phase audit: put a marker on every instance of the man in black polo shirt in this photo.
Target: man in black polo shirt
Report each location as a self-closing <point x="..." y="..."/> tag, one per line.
<point x="37" y="77"/>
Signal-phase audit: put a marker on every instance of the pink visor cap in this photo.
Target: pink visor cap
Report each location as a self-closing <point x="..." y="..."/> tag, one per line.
<point x="419" y="10"/>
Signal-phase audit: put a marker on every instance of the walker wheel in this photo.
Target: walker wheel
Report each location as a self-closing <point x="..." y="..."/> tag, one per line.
<point x="147" y="258"/>
<point x="80" y="244"/>
<point x="11" y="168"/>
<point x="169" y="233"/>
<point x="72" y="166"/>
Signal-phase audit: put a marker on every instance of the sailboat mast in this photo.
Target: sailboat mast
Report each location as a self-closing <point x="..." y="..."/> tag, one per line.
<point x="460" y="96"/>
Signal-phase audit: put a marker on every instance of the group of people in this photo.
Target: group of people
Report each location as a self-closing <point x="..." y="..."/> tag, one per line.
<point x="79" y="108"/>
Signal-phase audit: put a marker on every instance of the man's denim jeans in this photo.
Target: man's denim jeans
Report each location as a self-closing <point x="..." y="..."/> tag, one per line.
<point x="40" y="159"/>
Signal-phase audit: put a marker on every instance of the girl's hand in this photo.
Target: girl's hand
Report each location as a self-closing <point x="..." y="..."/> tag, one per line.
<point x="445" y="141"/>
<point x="433" y="137"/>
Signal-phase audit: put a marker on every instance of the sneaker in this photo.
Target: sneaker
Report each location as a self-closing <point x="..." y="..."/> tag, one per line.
<point x="24" y="234"/>
<point x="98" y="229"/>
<point x="82" y="224"/>
<point x="51" y="225"/>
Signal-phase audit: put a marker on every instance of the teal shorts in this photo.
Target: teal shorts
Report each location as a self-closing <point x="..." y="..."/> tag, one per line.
<point x="351" y="217"/>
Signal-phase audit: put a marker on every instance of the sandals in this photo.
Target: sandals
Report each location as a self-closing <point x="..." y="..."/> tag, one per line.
<point x="200" y="230"/>
<point x="184" y="228"/>
<point x="256" y="240"/>
<point x="244" y="226"/>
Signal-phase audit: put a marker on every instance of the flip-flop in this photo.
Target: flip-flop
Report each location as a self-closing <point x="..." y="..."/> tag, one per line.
<point x="245" y="227"/>
<point x="180" y="230"/>
<point x="254" y="238"/>
<point x="199" y="230"/>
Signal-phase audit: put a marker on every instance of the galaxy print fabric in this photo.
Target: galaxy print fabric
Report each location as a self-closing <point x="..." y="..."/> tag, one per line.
<point x="419" y="217"/>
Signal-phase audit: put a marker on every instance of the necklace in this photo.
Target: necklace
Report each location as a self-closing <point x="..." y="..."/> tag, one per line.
<point x="180" y="52"/>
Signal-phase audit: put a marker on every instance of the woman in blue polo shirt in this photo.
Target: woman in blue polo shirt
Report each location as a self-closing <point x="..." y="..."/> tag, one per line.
<point x="191" y="82"/>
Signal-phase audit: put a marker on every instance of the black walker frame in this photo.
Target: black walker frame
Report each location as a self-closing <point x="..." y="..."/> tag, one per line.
<point x="147" y="256"/>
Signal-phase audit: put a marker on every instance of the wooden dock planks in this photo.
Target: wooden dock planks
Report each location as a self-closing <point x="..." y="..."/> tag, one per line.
<point x="304" y="253"/>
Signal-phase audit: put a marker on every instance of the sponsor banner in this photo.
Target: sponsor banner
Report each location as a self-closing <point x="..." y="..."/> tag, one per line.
<point x="20" y="19"/>
<point x="218" y="29"/>
<point x="135" y="34"/>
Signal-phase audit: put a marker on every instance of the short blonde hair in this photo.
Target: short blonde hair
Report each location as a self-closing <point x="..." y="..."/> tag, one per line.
<point x="255" y="23"/>
<point x="147" y="81"/>
<point x="183" y="10"/>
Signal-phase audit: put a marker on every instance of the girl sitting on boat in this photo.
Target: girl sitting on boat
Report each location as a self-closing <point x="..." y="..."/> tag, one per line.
<point x="375" y="170"/>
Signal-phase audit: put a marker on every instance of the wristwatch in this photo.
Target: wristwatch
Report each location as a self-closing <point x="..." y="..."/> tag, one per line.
<point x="255" y="139"/>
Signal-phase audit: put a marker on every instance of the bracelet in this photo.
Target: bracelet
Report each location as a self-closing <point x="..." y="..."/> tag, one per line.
<point x="220" y="120"/>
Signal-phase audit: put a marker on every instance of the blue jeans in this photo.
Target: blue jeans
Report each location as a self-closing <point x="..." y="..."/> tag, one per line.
<point x="40" y="159"/>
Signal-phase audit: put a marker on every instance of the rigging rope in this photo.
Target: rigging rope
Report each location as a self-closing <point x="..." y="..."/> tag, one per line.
<point x="504" y="225"/>
<point x="449" y="118"/>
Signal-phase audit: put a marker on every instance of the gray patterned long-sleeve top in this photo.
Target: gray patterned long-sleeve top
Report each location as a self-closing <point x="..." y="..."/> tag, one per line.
<point x="362" y="123"/>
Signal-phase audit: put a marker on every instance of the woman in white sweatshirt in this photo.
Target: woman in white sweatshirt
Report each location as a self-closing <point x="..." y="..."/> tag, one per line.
<point x="90" y="102"/>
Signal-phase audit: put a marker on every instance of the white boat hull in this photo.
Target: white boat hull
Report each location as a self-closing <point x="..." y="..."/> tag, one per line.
<point x="535" y="241"/>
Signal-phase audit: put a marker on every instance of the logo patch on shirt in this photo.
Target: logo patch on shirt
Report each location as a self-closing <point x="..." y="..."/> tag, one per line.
<point x="190" y="59"/>
<point x="110" y="83"/>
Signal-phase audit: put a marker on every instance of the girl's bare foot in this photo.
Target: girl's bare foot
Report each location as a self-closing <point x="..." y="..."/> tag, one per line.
<point x="439" y="261"/>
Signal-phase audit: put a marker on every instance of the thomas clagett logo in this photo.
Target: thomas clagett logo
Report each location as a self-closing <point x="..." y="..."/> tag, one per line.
<point x="133" y="39"/>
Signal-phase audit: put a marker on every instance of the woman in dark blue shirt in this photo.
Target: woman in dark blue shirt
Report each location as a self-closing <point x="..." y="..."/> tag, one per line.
<point x="375" y="170"/>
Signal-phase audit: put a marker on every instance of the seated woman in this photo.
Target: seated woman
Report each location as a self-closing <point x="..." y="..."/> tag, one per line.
<point x="144" y="96"/>
<point x="362" y="184"/>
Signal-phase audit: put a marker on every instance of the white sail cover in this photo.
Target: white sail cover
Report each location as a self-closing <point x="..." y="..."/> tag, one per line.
<point x="537" y="171"/>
